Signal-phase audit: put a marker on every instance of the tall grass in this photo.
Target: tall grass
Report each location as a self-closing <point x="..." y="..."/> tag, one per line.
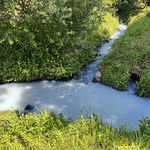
<point x="48" y="131"/>
<point x="130" y="54"/>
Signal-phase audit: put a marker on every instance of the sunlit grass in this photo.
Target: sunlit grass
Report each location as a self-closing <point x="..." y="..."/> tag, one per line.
<point x="48" y="131"/>
<point x="130" y="54"/>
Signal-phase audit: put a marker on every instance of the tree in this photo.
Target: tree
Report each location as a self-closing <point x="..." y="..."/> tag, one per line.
<point x="128" y="8"/>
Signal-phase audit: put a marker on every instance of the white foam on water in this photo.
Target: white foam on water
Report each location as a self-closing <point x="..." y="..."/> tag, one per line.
<point x="11" y="96"/>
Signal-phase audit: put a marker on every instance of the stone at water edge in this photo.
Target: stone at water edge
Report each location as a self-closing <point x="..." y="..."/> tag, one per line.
<point x="97" y="77"/>
<point x="96" y="54"/>
<point x="29" y="109"/>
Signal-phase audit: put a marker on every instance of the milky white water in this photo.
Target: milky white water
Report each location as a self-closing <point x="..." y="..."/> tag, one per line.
<point x="80" y="95"/>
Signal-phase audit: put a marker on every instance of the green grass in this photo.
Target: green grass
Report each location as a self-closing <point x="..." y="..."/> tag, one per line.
<point x="48" y="131"/>
<point x="130" y="54"/>
<point x="6" y="115"/>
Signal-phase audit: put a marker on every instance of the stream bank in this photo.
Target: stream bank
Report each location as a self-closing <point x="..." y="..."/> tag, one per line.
<point x="130" y="58"/>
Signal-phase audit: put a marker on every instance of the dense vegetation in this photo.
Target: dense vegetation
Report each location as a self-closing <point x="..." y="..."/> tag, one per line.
<point x="48" y="131"/>
<point x="129" y="8"/>
<point x="54" y="39"/>
<point x="50" y="39"/>
<point x="130" y="55"/>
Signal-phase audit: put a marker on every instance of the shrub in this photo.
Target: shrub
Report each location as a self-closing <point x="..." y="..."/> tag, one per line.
<point x="50" y="39"/>
<point x="126" y="9"/>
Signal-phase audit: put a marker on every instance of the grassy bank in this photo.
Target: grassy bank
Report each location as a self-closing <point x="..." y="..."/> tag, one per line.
<point x="50" y="39"/>
<point x="48" y="131"/>
<point x="130" y="55"/>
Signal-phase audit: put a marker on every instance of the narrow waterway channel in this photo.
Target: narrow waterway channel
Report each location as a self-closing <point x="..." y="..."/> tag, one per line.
<point x="80" y="96"/>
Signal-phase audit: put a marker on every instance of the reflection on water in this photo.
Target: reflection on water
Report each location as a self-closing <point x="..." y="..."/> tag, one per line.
<point x="79" y="96"/>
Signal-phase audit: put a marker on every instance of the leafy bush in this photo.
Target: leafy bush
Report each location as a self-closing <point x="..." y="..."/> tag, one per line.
<point x="50" y="39"/>
<point x="128" y="8"/>
<point x="108" y="26"/>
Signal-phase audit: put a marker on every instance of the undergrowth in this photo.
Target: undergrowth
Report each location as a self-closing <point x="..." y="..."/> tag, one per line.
<point x="50" y="39"/>
<point x="51" y="131"/>
<point x="130" y="54"/>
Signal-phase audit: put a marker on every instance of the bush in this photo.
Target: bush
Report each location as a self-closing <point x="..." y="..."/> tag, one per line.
<point x="128" y="8"/>
<point x="50" y="39"/>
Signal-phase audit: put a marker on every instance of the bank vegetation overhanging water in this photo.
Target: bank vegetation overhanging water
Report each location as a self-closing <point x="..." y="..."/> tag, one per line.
<point x="130" y="58"/>
<point x="51" y="39"/>
<point x="51" y="131"/>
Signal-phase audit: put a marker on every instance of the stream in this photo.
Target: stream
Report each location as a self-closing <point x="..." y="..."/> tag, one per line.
<point x="80" y="96"/>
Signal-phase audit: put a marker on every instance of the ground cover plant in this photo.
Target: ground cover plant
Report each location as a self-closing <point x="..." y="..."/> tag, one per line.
<point x="51" y="131"/>
<point x="50" y="39"/>
<point x="130" y="55"/>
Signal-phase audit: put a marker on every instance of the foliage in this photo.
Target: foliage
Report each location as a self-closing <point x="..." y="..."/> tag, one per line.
<point x="146" y="2"/>
<point x="50" y="39"/>
<point x="108" y="26"/>
<point x="144" y="129"/>
<point x="116" y="75"/>
<point x="143" y="88"/>
<point x="51" y="131"/>
<point x="130" y="54"/>
<point x="128" y="8"/>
